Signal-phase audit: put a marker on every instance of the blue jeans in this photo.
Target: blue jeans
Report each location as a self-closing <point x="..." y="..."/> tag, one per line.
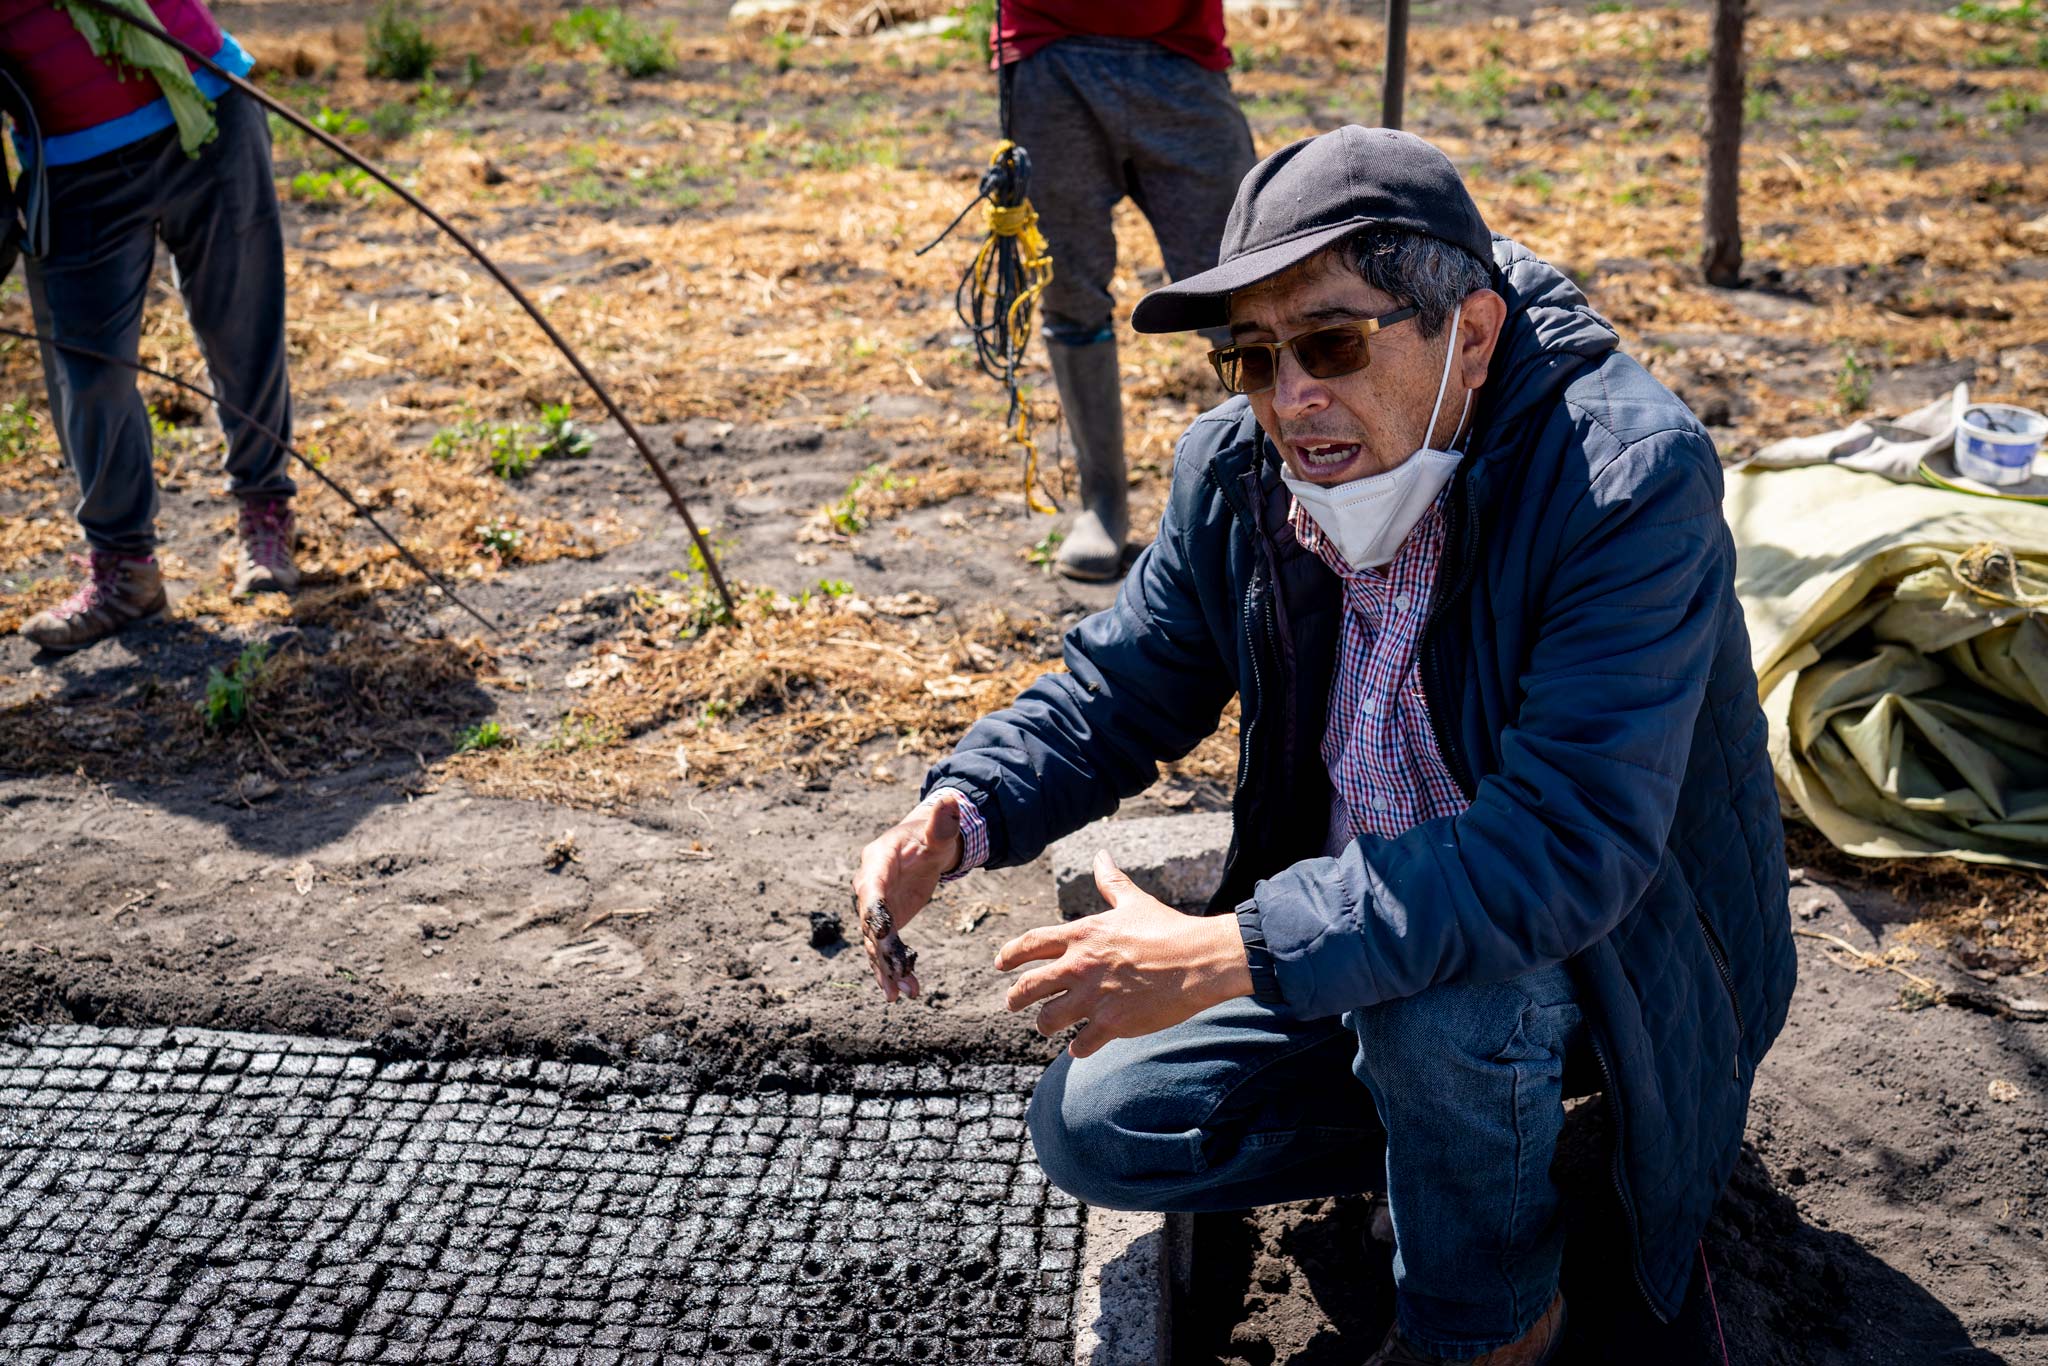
<point x="1457" y="1122"/>
<point x="217" y="213"/>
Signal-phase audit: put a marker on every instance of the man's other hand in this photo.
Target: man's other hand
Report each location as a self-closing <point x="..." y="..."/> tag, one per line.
<point x="900" y="871"/>
<point x="1135" y="968"/>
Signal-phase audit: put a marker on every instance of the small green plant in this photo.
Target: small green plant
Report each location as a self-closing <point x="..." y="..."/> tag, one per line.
<point x="18" y="423"/>
<point x="559" y="434"/>
<point x="701" y="608"/>
<point x="512" y="455"/>
<point x="1486" y="96"/>
<point x="483" y="735"/>
<point x="499" y="538"/>
<point x="2023" y="14"/>
<point x="231" y="693"/>
<point x="629" y="46"/>
<point x="847" y="516"/>
<point x="582" y="732"/>
<point x="398" y="47"/>
<point x="390" y="122"/>
<point x="974" y="21"/>
<point x="449" y="441"/>
<point x="1596" y="105"/>
<point x="834" y="588"/>
<point x="339" y="123"/>
<point x="344" y="183"/>
<point x="1909" y="161"/>
<point x="1852" y="383"/>
<point x="1046" y="552"/>
<point x="783" y="46"/>
<point x="2013" y="108"/>
<point x="1535" y="182"/>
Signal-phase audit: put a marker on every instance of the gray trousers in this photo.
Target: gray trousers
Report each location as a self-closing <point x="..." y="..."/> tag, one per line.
<point x="1108" y="117"/>
<point x="217" y="213"/>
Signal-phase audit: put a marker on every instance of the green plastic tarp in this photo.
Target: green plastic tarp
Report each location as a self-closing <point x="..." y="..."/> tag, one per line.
<point x="1900" y="636"/>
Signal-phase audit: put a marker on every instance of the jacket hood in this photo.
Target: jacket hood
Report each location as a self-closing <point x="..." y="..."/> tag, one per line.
<point x="1550" y="335"/>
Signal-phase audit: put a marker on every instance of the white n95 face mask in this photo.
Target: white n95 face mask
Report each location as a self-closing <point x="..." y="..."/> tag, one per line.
<point x="1368" y="519"/>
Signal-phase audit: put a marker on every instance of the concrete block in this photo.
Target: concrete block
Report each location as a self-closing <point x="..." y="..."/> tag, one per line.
<point x="1178" y="859"/>
<point x="1132" y="1267"/>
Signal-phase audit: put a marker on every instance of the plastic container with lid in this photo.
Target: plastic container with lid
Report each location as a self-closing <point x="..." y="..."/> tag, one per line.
<point x="1996" y="443"/>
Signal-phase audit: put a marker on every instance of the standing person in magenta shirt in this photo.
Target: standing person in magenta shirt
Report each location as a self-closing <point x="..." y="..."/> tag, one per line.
<point x="140" y="146"/>
<point x="1113" y="101"/>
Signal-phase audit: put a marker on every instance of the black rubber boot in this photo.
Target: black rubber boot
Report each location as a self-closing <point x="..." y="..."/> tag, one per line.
<point x="1091" y="394"/>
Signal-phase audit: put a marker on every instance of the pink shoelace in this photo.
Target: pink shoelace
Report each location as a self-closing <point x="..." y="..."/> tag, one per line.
<point x="102" y="571"/>
<point x="266" y="530"/>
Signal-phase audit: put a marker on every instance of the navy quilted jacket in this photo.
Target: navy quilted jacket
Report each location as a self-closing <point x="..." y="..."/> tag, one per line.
<point x="1589" y="678"/>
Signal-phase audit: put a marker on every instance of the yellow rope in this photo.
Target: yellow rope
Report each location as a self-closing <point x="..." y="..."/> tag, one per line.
<point x="1020" y="222"/>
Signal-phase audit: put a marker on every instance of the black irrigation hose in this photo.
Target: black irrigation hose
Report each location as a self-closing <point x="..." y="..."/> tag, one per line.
<point x="139" y="368"/>
<point x="335" y="145"/>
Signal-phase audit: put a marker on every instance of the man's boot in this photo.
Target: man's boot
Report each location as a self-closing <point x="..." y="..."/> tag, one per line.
<point x="1537" y="1347"/>
<point x="1091" y="393"/>
<point x="119" y="590"/>
<point x="263" y="555"/>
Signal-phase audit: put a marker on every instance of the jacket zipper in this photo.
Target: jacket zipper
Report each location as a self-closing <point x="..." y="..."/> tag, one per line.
<point x="1454" y="758"/>
<point x="1720" y="957"/>
<point x="1628" y="1207"/>
<point x="1249" y="711"/>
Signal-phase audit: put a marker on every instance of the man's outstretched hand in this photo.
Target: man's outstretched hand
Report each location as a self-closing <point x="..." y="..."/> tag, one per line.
<point x="1135" y="968"/>
<point x="898" y="874"/>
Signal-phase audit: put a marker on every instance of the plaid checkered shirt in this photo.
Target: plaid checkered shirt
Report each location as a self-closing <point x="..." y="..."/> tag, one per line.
<point x="1381" y="751"/>
<point x="1379" y="746"/>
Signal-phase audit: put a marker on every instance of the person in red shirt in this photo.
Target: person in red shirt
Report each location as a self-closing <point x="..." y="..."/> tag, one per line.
<point x="1115" y="101"/>
<point x="134" y="156"/>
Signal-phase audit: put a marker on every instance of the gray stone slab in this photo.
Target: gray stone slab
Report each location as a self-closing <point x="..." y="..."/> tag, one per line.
<point x="1178" y="859"/>
<point x="1134" y="1267"/>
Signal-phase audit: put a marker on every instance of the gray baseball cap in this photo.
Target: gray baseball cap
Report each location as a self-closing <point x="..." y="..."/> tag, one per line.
<point x="1311" y="194"/>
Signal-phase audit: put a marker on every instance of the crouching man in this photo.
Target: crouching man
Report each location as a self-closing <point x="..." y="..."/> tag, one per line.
<point x="1503" y="811"/>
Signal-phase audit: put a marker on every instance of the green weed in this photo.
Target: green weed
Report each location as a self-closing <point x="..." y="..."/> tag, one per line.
<point x="500" y="539"/>
<point x="390" y="122"/>
<point x="18" y="424"/>
<point x="483" y="735"/>
<point x="512" y="456"/>
<point x="398" y="47"/>
<point x="1852" y="384"/>
<point x="1046" y="552"/>
<point x="231" y="694"/>
<point x="629" y="46"/>
<point x="702" y="607"/>
<point x="2013" y="108"/>
<point x="2023" y="14"/>
<point x="582" y="732"/>
<point x="559" y="434"/>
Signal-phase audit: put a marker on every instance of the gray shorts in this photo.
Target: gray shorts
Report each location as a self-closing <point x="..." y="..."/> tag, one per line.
<point x="1108" y="117"/>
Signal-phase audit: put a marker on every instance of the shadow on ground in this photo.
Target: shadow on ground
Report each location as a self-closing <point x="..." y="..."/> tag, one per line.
<point x="285" y="737"/>
<point x="1787" y="1293"/>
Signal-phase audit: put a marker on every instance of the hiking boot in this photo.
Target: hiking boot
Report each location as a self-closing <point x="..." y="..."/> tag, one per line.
<point x="1534" y="1348"/>
<point x="119" y="590"/>
<point x="1091" y="394"/>
<point x="263" y="558"/>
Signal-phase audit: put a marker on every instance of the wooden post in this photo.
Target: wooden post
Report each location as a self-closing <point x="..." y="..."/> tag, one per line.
<point x="1721" y="254"/>
<point x="1394" y="85"/>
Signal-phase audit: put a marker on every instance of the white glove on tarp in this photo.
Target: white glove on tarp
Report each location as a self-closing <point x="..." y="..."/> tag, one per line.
<point x="1892" y="447"/>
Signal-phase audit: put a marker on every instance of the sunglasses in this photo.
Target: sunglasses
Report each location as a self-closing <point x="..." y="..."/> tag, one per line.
<point x="1327" y="352"/>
